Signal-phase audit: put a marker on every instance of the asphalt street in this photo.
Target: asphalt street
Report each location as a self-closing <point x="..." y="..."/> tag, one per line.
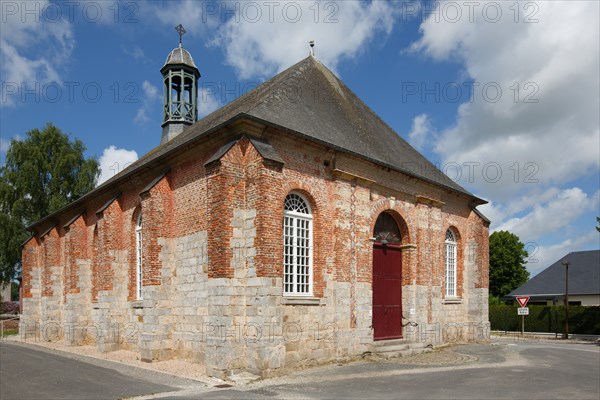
<point x="28" y="372"/>
<point x="504" y="369"/>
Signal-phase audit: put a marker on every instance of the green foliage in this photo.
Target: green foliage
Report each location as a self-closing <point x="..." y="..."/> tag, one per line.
<point x="582" y="320"/>
<point x="507" y="263"/>
<point x="43" y="173"/>
<point x="14" y="291"/>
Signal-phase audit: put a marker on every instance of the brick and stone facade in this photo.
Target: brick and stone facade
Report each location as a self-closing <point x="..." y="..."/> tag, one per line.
<point x="212" y="256"/>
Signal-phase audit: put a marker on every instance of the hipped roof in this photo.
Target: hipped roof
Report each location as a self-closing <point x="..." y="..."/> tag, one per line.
<point x="584" y="277"/>
<point x="309" y="101"/>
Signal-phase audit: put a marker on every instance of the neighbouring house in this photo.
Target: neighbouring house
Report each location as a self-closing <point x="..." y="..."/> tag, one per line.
<point x="549" y="286"/>
<point x="291" y="226"/>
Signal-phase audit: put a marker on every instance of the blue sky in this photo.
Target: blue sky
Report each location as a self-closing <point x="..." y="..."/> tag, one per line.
<point x="502" y="95"/>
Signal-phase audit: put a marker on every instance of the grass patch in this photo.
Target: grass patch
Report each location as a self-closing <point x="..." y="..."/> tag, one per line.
<point x="10" y="332"/>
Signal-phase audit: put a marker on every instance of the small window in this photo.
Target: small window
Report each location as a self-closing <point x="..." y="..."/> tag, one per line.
<point x="450" y="264"/>
<point x="138" y="257"/>
<point x="297" y="246"/>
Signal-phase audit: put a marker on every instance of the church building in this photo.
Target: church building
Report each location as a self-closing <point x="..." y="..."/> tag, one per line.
<point x="290" y="227"/>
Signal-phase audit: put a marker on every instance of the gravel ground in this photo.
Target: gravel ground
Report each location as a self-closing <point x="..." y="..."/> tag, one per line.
<point x="181" y="368"/>
<point x="197" y="372"/>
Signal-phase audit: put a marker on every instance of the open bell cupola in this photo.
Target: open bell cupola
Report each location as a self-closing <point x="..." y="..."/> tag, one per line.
<point x="180" y="91"/>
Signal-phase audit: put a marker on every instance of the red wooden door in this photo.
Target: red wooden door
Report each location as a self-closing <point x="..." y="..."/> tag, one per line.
<point x="387" y="292"/>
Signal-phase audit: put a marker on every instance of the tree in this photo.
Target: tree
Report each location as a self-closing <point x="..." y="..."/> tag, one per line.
<point x="507" y="263"/>
<point x="43" y="173"/>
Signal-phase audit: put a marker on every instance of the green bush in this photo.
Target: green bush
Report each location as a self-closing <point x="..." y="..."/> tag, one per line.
<point x="551" y="319"/>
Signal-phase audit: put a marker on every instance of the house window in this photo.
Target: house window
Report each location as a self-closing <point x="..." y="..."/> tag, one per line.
<point x="297" y="248"/>
<point x="138" y="257"/>
<point x="450" y="264"/>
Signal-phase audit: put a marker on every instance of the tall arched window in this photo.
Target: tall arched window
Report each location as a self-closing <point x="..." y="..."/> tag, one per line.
<point x="450" y="264"/>
<point x="297" y="247"/>
<point x="138" y="257"/>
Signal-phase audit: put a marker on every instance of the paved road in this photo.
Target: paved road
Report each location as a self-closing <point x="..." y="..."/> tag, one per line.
<point x="503" y="370"/>
<point x="32" y="373"/>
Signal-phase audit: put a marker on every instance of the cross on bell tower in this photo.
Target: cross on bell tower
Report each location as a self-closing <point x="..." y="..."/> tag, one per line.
<point x="181" y="30"/>
<point x="180" y="90"/>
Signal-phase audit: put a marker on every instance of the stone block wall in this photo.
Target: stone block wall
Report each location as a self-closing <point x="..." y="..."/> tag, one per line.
<point x="213" y="261"/>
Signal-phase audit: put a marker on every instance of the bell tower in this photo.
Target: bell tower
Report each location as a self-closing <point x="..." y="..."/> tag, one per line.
<point x="180" y="90"/>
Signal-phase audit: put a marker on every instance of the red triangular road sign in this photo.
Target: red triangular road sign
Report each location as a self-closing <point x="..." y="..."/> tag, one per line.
<point x="523" y="300"/>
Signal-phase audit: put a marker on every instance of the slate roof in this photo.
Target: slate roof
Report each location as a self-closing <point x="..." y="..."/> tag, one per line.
<point x="309" y="101"/>
<point x="584" y="277"/>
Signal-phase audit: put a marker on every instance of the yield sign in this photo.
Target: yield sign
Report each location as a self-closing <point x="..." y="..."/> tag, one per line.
<point x="523" y="300"/>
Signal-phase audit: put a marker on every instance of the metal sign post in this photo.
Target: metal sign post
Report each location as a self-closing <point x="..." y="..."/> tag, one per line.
<point x="523" y="311"/>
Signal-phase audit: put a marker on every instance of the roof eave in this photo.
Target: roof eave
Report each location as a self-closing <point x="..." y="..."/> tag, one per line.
<point x="109" y="185"/>
<point x="475" y="201"/>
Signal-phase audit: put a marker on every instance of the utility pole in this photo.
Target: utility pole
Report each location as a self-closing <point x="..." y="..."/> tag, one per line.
<point x="566" y="264"/>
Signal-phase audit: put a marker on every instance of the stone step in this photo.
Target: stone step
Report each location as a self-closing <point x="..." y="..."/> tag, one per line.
<point x="391" y="342"/>
<point x="399" y="348"/>
<point x="403" y="353"/>
<point x="396" y="347"/>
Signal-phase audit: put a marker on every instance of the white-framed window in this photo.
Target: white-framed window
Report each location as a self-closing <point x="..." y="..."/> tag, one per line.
<point x="450" y="264"/>
<point x="297" y="246"/>
<point x="138" y="257"/>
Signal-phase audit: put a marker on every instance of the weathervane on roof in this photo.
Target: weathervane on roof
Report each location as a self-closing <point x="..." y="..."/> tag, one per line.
<point x="312" y="47"/>
<point x="181" y="30"/>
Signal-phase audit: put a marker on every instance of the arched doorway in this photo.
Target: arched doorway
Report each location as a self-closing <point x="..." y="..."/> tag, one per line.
<point x="387" y="279"/>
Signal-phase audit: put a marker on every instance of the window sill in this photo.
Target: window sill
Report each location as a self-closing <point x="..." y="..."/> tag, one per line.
<point x="453" y="300"/>
<point x="137" y="304"/>
<point x="302" y="301"/>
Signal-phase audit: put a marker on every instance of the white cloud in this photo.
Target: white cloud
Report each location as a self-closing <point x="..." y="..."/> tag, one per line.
<point x="262" y="38"/>
<point x="4" y="145"/>
<point x="136" y="53"/>
<point x="499" y="212"/>
<point x="420" y="131"/>
<point x="541" y="257"/>
<point x="556" y="214"/>
<point x="114" y="160"/>
<point x="150" y="101"/>
<point x="269" y="45"/>
<point x="207" y="102"/>
<point x="33" y="49"/>
<point x="197" y="17"/>
<point x="554" y="61"/>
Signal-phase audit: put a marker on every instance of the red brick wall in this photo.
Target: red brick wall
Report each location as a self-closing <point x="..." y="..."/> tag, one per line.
<point x="51" y="252"/>
<point x="192" y="198"/>
<point x="30" y="259"/>
<point x="156" y="210"/>
<point x="76" y="247"/>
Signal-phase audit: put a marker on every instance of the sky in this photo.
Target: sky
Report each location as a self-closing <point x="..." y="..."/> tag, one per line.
<point x="503" y="96"/>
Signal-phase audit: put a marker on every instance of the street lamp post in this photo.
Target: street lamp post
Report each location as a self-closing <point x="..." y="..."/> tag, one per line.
<point x="566" y="264"/>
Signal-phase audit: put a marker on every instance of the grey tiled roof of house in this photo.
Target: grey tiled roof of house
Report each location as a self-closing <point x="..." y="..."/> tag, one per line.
<point x="584" y="277"/>
<point x="309" y="101"/>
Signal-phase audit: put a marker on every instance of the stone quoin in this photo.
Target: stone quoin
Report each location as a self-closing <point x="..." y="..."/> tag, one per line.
<point x="290" y="227"/>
